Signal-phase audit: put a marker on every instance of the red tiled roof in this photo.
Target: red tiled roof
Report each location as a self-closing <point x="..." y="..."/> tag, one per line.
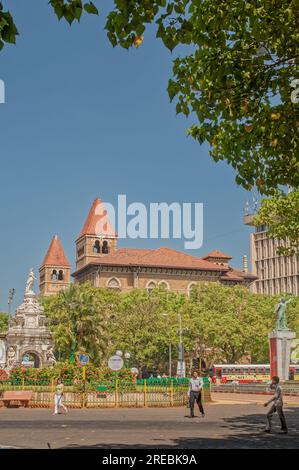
<point x="97" y="222"/>
<point x="237" y="275"/>
<point x="55" y="255"/>
<point x="217" y="254"/>
<point x="163" y="258"/>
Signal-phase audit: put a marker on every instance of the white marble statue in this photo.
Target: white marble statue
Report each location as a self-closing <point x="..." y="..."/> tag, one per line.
<point x="30" y="282"/>
<point x="11" y="358"/>
<point x="50" y="356"/>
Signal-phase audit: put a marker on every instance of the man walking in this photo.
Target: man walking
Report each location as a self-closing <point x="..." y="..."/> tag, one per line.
<point x="194" y="393"/>
<point x="277" y="405"/>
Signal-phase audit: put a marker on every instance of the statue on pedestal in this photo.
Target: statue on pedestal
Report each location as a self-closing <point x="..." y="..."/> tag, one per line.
<point x="280" y="314"/>
<point x="30" y="282"/>
<point x="11" y="358"/>
<point x="50" y="356"/>
<point x="28" y="334"/>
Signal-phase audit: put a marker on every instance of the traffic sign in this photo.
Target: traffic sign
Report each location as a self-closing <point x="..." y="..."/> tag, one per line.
<point x="84" y="359"/>
<point x="134" y="370"/>
<point x="115" y="363"/>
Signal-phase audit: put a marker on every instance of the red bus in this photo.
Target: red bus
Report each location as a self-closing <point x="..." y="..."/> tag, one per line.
<point x="247" y="373"/>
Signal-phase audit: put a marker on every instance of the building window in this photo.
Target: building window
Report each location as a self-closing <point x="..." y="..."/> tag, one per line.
<point x="60" y="275"/>
<point x="105" y="247"/>
<point x="114" y="283"/>
<point x="164" y="284"/>
<point x="96" y="247"/>
<point x="80" y="252"/>
<point x="191" y="287"/>
<point x="54" y="275"/>
<point x="150" y="286"/>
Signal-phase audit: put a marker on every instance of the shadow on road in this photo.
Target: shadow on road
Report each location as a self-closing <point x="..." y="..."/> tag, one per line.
<point x="242" y="432"/>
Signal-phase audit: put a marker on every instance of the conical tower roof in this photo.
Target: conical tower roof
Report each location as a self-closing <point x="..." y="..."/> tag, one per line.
<point x="55" y="255"/>
<point x="97" y="222"/>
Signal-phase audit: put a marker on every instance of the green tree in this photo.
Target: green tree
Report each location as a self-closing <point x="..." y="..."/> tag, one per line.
<point x="145" y="326"/>
<point x="220" y="323"/>
<point x="79" y="318"/>
<point x="236" y="82"/>
<point x="281" y="214"/>
<point x="4" y="317"/>
<point x="233" y="321"/>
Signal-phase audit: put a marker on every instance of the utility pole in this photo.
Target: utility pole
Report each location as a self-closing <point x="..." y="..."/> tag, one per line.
<point x="181" y="362"/>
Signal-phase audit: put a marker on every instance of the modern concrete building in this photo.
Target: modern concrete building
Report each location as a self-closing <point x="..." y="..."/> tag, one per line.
<point x="277" y="274"/>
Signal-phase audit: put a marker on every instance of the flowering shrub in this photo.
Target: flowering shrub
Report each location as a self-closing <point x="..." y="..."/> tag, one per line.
<point x="3" y="375"/>
<point x="70" y="373"/>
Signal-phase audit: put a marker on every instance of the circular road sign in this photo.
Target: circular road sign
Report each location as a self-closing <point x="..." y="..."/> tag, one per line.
<point x="84" y="359"/>
<point x="115" y="363"/>
<point x="134" y="370"/>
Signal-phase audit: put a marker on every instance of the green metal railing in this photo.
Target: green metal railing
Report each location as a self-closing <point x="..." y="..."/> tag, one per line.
<point x="116" y="393"/>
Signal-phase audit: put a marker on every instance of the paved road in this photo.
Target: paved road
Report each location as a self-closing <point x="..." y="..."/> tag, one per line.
<point x="228" y="424"/>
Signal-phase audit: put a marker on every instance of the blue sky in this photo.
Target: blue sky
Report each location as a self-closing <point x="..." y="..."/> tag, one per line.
<point x="82" y="120"/>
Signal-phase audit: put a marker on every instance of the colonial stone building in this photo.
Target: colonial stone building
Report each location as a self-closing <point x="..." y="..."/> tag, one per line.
<point x="54" y="273"/>
<point x="100" y="262"/>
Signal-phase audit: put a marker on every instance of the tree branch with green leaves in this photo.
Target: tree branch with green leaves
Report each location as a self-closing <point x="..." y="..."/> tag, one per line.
<point x="235" y="83"/>
<point x="281" y="215"/>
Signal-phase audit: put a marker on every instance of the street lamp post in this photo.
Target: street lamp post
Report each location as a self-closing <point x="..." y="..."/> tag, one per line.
<point x="181" y="362"/>
<point x="11" y="294"/>
<point x="169" y="351"/>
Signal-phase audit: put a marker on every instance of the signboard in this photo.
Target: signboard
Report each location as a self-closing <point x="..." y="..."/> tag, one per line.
<point x="262" y="377"/>
<point x="115" y="363"/>
<point x="84" y="359"/>
<point x="27" y="361"/>
<point x="181" y="369"/>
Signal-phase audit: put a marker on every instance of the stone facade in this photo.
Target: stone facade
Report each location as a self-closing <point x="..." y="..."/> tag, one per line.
<point x="100" y="262"/>
<point x="127" y="278"/>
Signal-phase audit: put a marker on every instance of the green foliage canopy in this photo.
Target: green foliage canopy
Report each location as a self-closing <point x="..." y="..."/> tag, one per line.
<point x="4" y="317"/>
<point x="220" y="323"/>
<point x="236" y="82"/>
<point x="281" y="215"/>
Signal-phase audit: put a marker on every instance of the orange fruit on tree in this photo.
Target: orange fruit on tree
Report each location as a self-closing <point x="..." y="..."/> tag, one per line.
<point x="275" y="116"/>
<point x="138" y="41"/>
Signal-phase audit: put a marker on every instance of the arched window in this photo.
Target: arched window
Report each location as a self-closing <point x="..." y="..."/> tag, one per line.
<point x="54" y="275"/>
<point x="60" y="275"/>
<point x="191" y="287"/>
<point x="164" y="284"/>
<point x="96" y="247"/>
<point x="105" y="247"/>
<point x="150" y="286"/>
<point x="114" y="283"/>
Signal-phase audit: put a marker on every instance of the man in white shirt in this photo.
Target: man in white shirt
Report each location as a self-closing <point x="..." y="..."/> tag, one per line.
<point x="277" y="406"/>
<point x="194" y="393"/>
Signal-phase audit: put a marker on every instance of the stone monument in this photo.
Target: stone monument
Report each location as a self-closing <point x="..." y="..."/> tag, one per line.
<point x="28" y="335"/>
<point x="280" y="343"/>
